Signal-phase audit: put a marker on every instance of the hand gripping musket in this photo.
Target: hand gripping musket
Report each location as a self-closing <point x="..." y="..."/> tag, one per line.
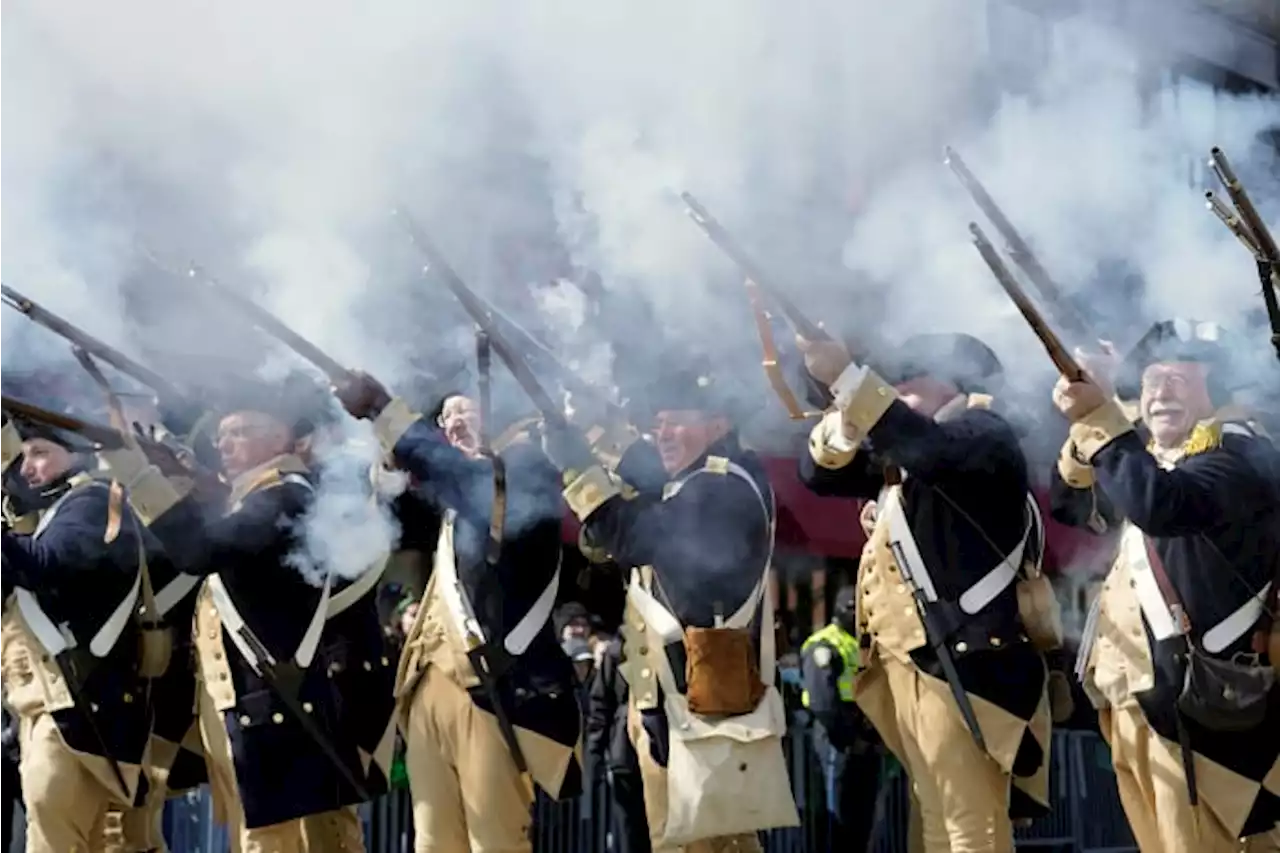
<point x="1062" y="310"/>
<point x="755" y="281"/>
<point x="170" y="461"/>
<point x="37" y="313"/>
<point x="1251" y="231"/>
<point x="1063" y="360"/>
<point x="936" y="637"/>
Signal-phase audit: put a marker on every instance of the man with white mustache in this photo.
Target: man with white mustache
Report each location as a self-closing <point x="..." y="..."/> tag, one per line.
<point x="1175" y="653"/>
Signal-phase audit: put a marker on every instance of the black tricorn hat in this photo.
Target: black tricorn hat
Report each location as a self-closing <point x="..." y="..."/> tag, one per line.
<point x="1173" y="340"/>
<point x="695" y="384"/>
<point x="959" y="359"/>
<point x="298" y="401"/>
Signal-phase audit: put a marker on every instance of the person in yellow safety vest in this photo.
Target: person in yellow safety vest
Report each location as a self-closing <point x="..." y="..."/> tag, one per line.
<point x="846" y="744"/>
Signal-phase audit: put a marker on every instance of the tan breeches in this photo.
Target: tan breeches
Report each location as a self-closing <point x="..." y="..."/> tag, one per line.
<point x="961" y="793"/>
<point x="337" y="831"/>
<point x="1153" y="790"/>
<point x="654" y="778"/>
<point x="66" y="803"/>
<point x="467" y="793"/>
<point x="141" y="828"/>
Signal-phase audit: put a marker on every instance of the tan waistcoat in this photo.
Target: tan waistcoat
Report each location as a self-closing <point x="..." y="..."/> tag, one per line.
<point x="33" y="683"/>
<point x="1119" y="665"/>
<point x="886" y="608"/>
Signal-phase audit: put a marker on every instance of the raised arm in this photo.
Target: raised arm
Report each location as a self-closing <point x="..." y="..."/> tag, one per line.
<point x="75" y="544"/>
<point x="1227" y="480"/>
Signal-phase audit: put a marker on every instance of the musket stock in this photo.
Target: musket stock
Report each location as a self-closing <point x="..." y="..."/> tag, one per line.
<point x="1062" y="359"/>
<point x="1020" y="251"/>
<point x="37" y="313"/>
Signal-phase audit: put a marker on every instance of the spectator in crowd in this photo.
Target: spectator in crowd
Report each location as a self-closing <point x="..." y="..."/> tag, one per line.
<point x="609" y="754"/>
<point x="578" y="650"/>
<point x="572" y="620"/>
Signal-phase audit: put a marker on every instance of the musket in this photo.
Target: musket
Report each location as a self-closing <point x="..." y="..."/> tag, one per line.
<point x="1249" y="228"/>
<point x="104" y="437"/>
<point x="1063" y="311"/>
<point x="1062" y="359"/>
<point x="531" y="346"/>
<point x="272" y="325"/>
<point x="37" y="313"/>
<point x="803" y="326"/>
<point x="756" y="281"/>
<point x="472" y="304"/>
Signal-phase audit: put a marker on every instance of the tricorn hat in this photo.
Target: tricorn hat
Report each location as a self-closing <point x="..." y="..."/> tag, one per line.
<point x="960" y="359"/>
<point x="1173" y="340"/>
<point x="695" y="383"/>
<point x="298" y="401"/>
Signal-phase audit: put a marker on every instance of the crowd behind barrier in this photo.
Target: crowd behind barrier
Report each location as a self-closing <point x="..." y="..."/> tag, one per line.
<point x="1086" y="818"/>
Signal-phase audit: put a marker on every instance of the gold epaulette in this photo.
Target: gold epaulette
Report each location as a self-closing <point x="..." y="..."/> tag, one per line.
<point x="716" y="465"/>
<point x="981" y="401"/>
<point x="1205" y="437"/>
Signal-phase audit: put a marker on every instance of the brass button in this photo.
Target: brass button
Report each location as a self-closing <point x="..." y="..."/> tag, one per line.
<point x="277" y="718"/>
<point x="213" y="611"/>
<point x="646" y="672"/>
<point x="244" y="720"/>
<point x="306" y="706"/>
<point x="93" y="706"/>
<point x="647" y="698"/>
<point x="223" y="676"/>
<point x="996" y="641"/>
<point x="368" y="667"/>
<point x="893" y="567"/>
<point x="907" y="611"/>
<point x="644" y="650"/>
<point x="385" y="661"/>
<point x="127" y="698"/>
<point x="962" y="647"/>
<point x="640" y="625"/>
<point x="900" y="588"/>
<point x="213" y="634"/>
<point x="217" y="655"/>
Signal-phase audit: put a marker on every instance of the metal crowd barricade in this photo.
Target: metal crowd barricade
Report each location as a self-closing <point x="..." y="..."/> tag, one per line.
<point x="1086" y="816"/>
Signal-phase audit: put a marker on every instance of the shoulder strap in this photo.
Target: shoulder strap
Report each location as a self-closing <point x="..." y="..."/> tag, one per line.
<point x="1167" y="590"/>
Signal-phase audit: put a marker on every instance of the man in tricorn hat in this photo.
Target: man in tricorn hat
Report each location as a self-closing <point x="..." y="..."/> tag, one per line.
<point x="70" y="645"/>
<point x="1197" y="503"/>
<point x="691" y="513"/>
<point x="950" y="679"/>
<point x="285" y="772"/>
<point x="486" y="695"/>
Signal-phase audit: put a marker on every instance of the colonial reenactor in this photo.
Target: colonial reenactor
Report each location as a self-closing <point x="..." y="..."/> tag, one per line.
<point x="486" y="695"/>
<point x="1174" y="656"/>
<point x="845" y="743"/>
<point x="70" y="647"/>
<point x="951" y="680"/>
<point x="285" y="774"/>
<point x="693" y="512"/>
